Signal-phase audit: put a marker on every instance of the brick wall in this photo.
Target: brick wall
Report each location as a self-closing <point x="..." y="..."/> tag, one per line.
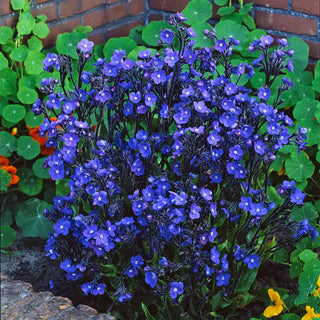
<point x="112" y="18"/>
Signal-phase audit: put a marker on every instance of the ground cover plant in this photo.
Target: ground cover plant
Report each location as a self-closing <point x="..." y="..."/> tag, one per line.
<point x="167" y="161"/>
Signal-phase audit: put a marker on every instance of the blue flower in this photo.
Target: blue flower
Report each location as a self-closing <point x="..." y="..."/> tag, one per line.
<point x="87" y="288"/>
<point x="194" y="211"/>
<point x="257" y="209"/>
<point x="166" y="36"/>
<point x="220" y="45"/>
<point x="131" y="272"/>
<point x="98" y="289"/>
<point x="128" y="109"/>
<point x="62" y="226"/>
<point x="151" y="278"/>
<point x="297" y="196"/>
<point x="215" y="255"/>
<point x="206" y="194"/>
<point x="264" y="93"/>
<point x="252" y="261"/>
<point x="223" y="279"/>
<point x="99" y="198"/>
<point x="159" y="76"/>
<point x="85" y="45"/>
<point x="135" y="97"/>
<point x="67" y="266"/>
<point x="175" y="289"/>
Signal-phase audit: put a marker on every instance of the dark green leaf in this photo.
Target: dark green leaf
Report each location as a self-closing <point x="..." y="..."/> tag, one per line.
<point x="313" y="133"/>
<point x="197" y="11"/>
<point x="305" y="108"/>
<point x="29" y="184"/>
<point x="133" y="55"/>
<point x="295" y="269"/>
<point x="6" y="216"/>
<point x="6" y="34"/>
<point x="316" y="84"/>
<point x="8" y="80"/>
<point x="248" y="21"/>
<point x="8" y="144"/>
<point x="27" y="95"/>
<point x="281" y="256"/>
<point x="147" y="312"/>
<point x="201" y="40"/>
<point x="299" y="167"/>
<point x="5" y="179"/>
<point x="307" y="284"/>
<point x="290" y="316"/>
<point x="225" y="11"/>
<point x="301" y="53"/>
<point x="32" y="120"/>
<point x="3" y="61"/>
<point x="67" y="43"/>
<point x="28" y="82"/>
<point x="8" y="236"/>
<point x="307" y="255"/>
<point x="28" y="148"/>
<point x="38" y="169"/>
<point x="221" y="2"/>
<point x="122" y="43"/>
<point x="19" y="54"/>
<point x="307" y="211"/>
<point x="151" y="33"/>
<point x="246" y="280"/>
<point x="14" y="113"/>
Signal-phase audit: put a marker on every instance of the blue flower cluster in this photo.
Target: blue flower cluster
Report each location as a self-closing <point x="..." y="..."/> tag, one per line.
<point x="167" y="160"/>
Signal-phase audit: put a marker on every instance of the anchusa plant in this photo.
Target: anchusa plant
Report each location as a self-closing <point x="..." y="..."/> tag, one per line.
<point x="167" y="163"/>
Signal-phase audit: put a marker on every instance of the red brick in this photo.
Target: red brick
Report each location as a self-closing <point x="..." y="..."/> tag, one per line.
<point x="12" y="21"/>
<point x="5" y="7"/>
<point x="42" y="1"/>
<point x="281" y="4"/>
<point x="113" y="1"/>
<point x="123" y="30"/>
<point x="286" y="23"/>
<point x="99" y="18"/>
<point x="50" y="11"/>
<point x="60" y="28"/>
<point x="72" y="7"/>
<point x="156" y="17"/>
<point x="168" y="5"/>
<point x="310" y="67"/>
<point x="96" y="38"/>
<point x="136" y="6"/>
<point x="307" y="6"/>
<point x="314" y="49"/>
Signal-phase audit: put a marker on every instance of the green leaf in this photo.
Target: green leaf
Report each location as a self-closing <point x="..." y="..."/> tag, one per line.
<point x="31" y="220"/>
<point x="25" y="23"/>
<point x="122" y="43"/>
<point x="280" y="256"/>
<point x="316" y="84"/>
<point x="6" y="215"/>
<point x="258" y="80"/>
<point x="248" y="21"/>
<point x="151" y="33"/>
<point x="133" y="55"/>
<point x="67" y="43"/>
<point x="201" y="40"/>
<point x="136" y="35"/>
<point x="27" y="95"/>
<point x="83" y="29"/>
<point x="14" y="113"/>
<point x="41" y="18"/>
<point x="312" y="264"/>
<point x="33" y="63"/>
<point x="8" y="236"/>
<point x="27" y="82"/>
<point x="146" y="312"/>
<point x="246" y="280"/>
<point x="272" y="193"/>
<point x="32" y="120"/>
<point x="3" y="103"/>
<point x="6" y="34"/>
<point x="307" y="211"/>
<point x="29" y="184"/>
<point x="295" y="269"/>
<point x="35" y="44"/>
<point x="246" y="8"/>
<point x="305" y="108"/>
<point x="8" y="144"/>
<point x="307" y="284"/>
<point x="301" y="53"/>
<point x="290" y="316"/>
<point x="197" y="11"/>
<point x="3" y="61"/>
<point x="227" y="28"/>
<point x="19" y="54"/>
<point x="307" y="255"/>
<point x="41" y="30"/>
<point x="38" y="169"/>
<point x="18" y="4"/>
<point x="301" y="185"/>
<point x="221" y="2"/>
<point x="5" y="179"/>
<point x="299" y="167"/>
<point x="313" y="133"/>
<point x="225" y="11"/>
<point x="8" y="80"/>
<point x="28" y="148"/>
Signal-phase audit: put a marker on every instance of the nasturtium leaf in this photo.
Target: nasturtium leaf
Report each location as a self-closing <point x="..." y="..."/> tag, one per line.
<point x="307" y="283"/>
<point x="277" y="164"/>
<point x="27" y="82"/>
<point x="8" y="46"/>
<point x="221" y="2"/>
<point x="305" y="108"/>
<point x="6" y="34"/>
<point x="18" y="4"/>
<point x="41" y="30"/>
<point x="197" y="11"/>
<point x="258" y="80"/>
<point x="8" y="236"/>
<point x="151" y="33"/>
<point x="25" y="23"/>
<point x="27" y="95"/>
<point x="67" y="43"/>
<point x="301" y="53"/>
<point x="307" y="255"/>
<point x="248" y="21"/>
<point x="3" y="61"/>
<point x="312" y="263"/>
<point x="41" y="18"/>
<point x="28" y="148"/>
<point x="235" y="17"/>
<point x="6" y="216"/>
<point x="8" y="80"/>
<point x="35" y="44"/>
<point x="201" y="40"/>
<point x="246" y="8"/>
<point x="225" y="11"/>
<point x="281" y="256"/>
<point x="5" y="179"/>
<point x="136" y="35"/>
<point x="254" y="34"/>
<point x="32" y="120"/>
<point x="295" y="269"/>
<point x="122" y="43"/>
<point x="133" y="55"/>
<point x="313" y="133"/>
<point x="8" y="144"/>
<point x="14" y="113"/>
<point x="301" y="185"/>
<point x="31" y="220"/>
<point x="316" y="84"/>
<point x="38" y="169"/>
<point x="19" y="54"/>
<point x="226" y="29"/>
<point x="3" y="103"/>
<point x="29" y="183"/>
<point x="33" y="63"/>
<point x="83" y="29"/>
<point x="307" y="211"/>
<point x="299" y="167"/>
<point x="304" y="77"/>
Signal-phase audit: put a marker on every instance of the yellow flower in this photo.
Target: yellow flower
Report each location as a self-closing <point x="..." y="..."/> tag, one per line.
<point x="310" y="314"/>
<point x="317" y="291"/>
<point x="276" y="308"/>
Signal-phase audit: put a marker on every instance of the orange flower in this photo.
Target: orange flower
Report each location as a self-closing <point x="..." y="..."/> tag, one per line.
<point x="3" y="161"/>
<point x="34" y="133"/>
<point x="14" y="131"/>
<point x="47" y="151"/>
<point x="310" y="314"/>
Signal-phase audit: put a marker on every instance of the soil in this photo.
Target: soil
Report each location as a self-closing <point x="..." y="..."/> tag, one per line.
<point x="27" y="261"/>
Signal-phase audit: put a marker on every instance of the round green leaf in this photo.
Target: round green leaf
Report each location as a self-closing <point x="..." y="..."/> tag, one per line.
<point x="3" y="61"/>
<point x="33" y="63"/>
<point x="6" y="217"/>
<point x="28" y="82"/>
<point x="201" y="40"/>
<point x="35" y="44"/>
<point x="18" y="4"/>
<point x="248" y="21"/>
<point x="122" y="43"/>
<point x="221" y="2"/>
<point x="19" y="54"/>
<point x="313" y="133"/>
<point x="29" y="183"/>
<point x="6" y="34"/>
<point x="299" y="167"/>
<point x="14" y="113"/>
<point x="38" y="169"/>
<point x="151" y="33"/>
<point x="67" y="43"/>
<point x="301" y="185"/>
<point x="3" y="103"/>
<point x="7" y="124"/>
<point x="32" y="120"/>
<point x="8" y="80"/>
<point x="25" y="23"/>
<point x="305" y="108"/>
<point x="5" y="179"/>
<point x="307" y="211"/>
<point x="27" y="95"/>
<point x="8" y="236"/>
<point x="316" y="84"/>
<point x="83" y="29"/>
<point x="41" y="18"/>
<point x="8" y="144"/>
<point x="28" y="148"/>
<point x="301" y="53"/>
<point x="227" y="28"/>
<point x="225" y="11"/>
<point x="197" y="11"/>
<point x="41" y="30"/>
<point x="307" y="255"/>
<point x="258" y="79"/>
<point x="31" y="220"/>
